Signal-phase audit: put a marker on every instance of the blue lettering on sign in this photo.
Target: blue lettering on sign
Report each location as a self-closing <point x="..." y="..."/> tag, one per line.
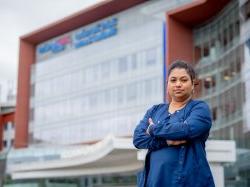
<point x="96" y="33"/>
<point x="55" y="46"/>
<point x="44" y="49"/>
<point x="84" y="37"/>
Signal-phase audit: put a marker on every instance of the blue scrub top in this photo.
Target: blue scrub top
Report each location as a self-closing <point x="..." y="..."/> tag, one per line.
<point x="175" y="166"/>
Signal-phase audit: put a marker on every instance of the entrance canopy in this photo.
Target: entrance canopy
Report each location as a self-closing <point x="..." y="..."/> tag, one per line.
<point x="111" y="155"/>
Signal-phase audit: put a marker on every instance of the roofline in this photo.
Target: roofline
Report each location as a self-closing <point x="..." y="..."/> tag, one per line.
<point x="81" y="18"/>
<point x="56" y="22"/>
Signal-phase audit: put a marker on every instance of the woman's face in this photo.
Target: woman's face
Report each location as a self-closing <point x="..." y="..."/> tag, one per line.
<point x="180" y="86"/>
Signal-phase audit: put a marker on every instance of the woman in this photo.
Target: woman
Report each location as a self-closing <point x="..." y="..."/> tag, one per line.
<point x="175" y="136"/>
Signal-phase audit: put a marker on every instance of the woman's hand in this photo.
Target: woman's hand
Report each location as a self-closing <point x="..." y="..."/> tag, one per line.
<point x="169" y="142"/>
<point x="150" y="122"/>
<point x="176" y="142"/>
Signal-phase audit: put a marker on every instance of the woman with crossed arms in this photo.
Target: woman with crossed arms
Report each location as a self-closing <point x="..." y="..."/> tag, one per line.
<point x="175" y="134"/>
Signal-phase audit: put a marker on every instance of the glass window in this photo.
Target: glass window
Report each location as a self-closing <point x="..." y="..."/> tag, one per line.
<point x="131" y="92"/>
<point x="107" y="96"/>
<point x="148" y="87"/>
<point x="231" y="104"/>
<point x="61" y="108"/>
<point x="92" y="74"/>
<point x="237" y="28"/>
<point x="32" y="90"/>
<point x="93" y="100"/>
<point x="83" y="77"/>
<point x="66" y="86"/>
<point x="213" y="50"/>
<point x="76" y="105"/>
<point x="120" y="95"/>
<point x="197" y="53"/>
<point x="227" y="74"/>
<point x="95" y="72"/>
<point x="214" y="113"/>
<point x="84" y="105"/>
<point x="134" y="62"/>
<point x="6" y="126"/>
<point x="209" y="82"/>
<point x="122" y="65"/>
<point x="231" y="32"/>
<point x="206" y="51"/>
<point x="105" y="69"/>
<point x="238" y="65"/>
<point x="151" y="57"/>
<point x="5" y="143"/>
<point x="31" y="115"/>
<point x="75" y="80"/>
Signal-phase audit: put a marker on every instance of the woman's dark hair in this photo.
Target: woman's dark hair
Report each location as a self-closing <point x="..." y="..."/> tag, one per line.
<point x="180" y="64"/>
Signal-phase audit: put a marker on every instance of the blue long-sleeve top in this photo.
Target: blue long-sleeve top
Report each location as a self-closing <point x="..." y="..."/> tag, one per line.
<point x="173" y="166"/>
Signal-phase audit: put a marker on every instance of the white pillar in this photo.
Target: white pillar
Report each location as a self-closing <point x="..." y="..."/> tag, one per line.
<point x="218" y="173"/>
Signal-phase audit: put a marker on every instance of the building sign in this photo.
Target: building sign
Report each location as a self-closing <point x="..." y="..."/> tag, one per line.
<point x="76" y="39"/>
<point x="95" y="33"/>
<point x="55" y="46"/>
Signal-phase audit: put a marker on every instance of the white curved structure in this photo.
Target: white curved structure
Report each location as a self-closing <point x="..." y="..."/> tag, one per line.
<point x="111" y="155"/>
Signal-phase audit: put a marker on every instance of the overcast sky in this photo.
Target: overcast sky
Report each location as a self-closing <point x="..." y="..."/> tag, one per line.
<point x="19" y="17"/>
